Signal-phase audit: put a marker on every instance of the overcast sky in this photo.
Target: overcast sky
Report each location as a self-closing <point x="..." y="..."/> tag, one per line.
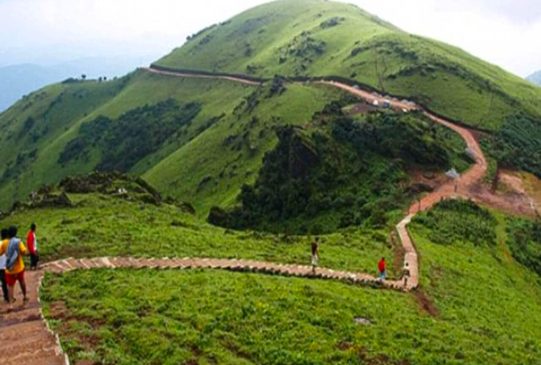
<point x="504" y="32"/>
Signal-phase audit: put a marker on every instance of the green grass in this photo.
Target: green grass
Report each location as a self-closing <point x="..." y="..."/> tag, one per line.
<point x="101" y="225"/>
<point x="288" y="39"/>
<point x="484" y="307"/>
<point x="150" y="317"/>
<point x="488" y="313"/>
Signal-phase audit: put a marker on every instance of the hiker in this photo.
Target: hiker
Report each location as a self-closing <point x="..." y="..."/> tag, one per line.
<point x="315" y="254"/>
<point x="381" y="269"/>
<point x="3" y="268"/>
<point x="32" y="244"/>
<point x="406" y="273"/>
<point x="14" y="249"/>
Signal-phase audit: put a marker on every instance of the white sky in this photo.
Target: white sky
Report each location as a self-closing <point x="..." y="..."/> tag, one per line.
<point x="504" y="32"/>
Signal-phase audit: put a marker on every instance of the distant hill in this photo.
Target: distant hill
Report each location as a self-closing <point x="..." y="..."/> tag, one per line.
<point x="21" y="79"/>
<point x="202" y="140"/>
<point x="535" y="78"/>
<point x="317" y="37"/>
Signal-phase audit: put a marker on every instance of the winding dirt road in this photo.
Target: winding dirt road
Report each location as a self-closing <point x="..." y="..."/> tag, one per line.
<point x="25" y="337"/>
<point x="201" y="76"/>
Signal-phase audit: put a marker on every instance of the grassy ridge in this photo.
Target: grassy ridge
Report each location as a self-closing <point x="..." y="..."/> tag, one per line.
<point x="139" y="90"/>
<point x="33" y="125"/>
<point x="321" y="38"/>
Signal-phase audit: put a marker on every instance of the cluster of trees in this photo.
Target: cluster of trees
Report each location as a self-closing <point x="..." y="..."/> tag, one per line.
<point x="332" y="22"/>
<point x="130" y="138"/>
<point x="304" y="48"/>
<point x="459" y="221"/>
<point x="391" y="136"/>
<point x="351" y="171"/>
<point x="518" y="144"/>
<point x="524" y="241"/>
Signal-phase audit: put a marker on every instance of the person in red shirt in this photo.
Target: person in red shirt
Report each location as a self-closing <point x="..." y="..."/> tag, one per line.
<point x="382" y="269"/>
<point x="32" y="244"/>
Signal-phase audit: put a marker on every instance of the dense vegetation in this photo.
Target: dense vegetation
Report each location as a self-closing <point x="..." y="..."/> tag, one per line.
<point x="458" y="221"/>
<point x="524" y="240"/>
<point x="344" y="172"/>
<point x="133" y="136"/>
<point x="518" y="144"/>
<point x="324" y="38"/>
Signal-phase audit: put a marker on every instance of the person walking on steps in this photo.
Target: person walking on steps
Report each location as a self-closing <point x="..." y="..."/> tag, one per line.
<point x="406" y="274"/>
<point x="3" y="268"/>
<point x="382" y="269"/>
<point x="315" y="254"/>
<point x="14" y="249"/>
<point x="32" y="244"/>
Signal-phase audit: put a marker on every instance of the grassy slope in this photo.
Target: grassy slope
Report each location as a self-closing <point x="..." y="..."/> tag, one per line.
<point x="55" y="109"/>
<point x="445" y="78"/>
<point x="489" y="312"/>
<point x="181" y="173"/>
<point x="106" y="226"/>
<point x="174" y="168"/>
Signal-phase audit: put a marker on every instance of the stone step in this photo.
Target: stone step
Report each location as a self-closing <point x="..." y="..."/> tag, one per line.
<point x="12" y="332"/>
<point x="41" y="356"/>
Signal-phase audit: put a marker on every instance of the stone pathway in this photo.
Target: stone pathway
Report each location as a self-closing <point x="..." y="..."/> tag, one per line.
<point x="24" y="331"/>
<point x="25" y="337"/>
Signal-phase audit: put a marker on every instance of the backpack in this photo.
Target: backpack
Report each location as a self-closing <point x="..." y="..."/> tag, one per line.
<point x="13" y="253"/>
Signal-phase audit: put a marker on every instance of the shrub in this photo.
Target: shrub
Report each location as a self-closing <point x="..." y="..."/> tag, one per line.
<point x="455" y="221"/>
<point x="524" y="241"/>
<point x="131" y="137"/>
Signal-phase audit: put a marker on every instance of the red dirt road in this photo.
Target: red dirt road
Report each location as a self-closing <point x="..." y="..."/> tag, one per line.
<point x="186" y="75"/>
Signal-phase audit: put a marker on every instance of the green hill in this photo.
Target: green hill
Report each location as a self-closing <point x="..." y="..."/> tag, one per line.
<point x="323" y="38"/>
<point x="201" y="140"/>
<point x="213" y="168"/>
<point x="167" y="128"/>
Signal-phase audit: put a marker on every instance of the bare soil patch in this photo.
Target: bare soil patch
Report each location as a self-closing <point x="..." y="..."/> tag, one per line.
<point x="425" y="303"/>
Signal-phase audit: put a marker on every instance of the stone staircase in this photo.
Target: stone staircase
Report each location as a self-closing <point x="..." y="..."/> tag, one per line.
<point x="25" y="337"/>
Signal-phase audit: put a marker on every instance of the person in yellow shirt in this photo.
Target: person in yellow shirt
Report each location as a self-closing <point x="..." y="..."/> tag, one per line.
<point x="14" y="249"/>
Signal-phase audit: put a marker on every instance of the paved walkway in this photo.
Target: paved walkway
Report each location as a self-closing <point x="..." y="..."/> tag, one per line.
<point x="25" y="337"/>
